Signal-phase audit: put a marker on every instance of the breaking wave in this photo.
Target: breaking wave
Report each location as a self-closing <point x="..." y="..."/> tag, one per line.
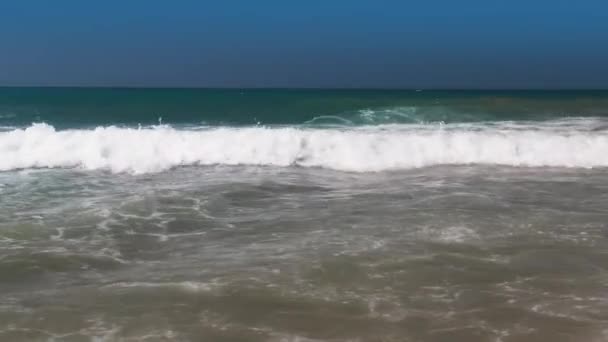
<point x="362" y="149"/>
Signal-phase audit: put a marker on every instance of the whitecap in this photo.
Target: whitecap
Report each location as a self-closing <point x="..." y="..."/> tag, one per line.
<point x="368" y="149"/>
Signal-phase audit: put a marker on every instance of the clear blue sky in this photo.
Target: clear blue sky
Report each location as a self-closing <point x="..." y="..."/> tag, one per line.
<point x="329" y="43"/>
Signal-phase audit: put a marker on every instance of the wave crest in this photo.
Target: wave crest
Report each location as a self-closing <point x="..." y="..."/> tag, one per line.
<point x="364" y="149"/>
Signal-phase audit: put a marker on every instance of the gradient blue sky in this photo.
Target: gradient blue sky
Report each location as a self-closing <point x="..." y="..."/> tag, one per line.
<point x="268" y="43"/>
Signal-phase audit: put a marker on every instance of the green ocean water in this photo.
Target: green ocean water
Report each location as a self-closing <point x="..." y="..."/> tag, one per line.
<point x="84" y="107"/>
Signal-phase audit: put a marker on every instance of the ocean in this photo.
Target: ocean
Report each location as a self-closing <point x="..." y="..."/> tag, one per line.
<point x="303" y="215"/>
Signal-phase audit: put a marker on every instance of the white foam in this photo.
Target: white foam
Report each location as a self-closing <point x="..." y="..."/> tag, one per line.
<point x="357" y="149"/>
<point x="185" y="286"/>
<point x="457" y="234"/>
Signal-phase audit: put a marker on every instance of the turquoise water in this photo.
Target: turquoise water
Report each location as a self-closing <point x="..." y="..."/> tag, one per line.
<point x="78" y="107"/>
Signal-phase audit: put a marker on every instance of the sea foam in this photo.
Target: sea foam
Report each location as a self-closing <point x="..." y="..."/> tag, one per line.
<point x="366" y="149"/>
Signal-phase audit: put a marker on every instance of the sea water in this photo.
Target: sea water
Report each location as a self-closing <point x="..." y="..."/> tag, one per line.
<point x="303" y="215"/>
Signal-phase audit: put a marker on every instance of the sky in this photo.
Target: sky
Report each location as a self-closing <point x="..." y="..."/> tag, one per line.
<point x="330" y="43"/>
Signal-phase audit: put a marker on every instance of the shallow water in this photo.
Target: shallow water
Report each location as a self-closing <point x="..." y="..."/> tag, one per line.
<point x="219" y="253"/>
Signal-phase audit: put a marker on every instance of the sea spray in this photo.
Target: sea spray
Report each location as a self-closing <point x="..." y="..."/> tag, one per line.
<point x="364" y="149"/>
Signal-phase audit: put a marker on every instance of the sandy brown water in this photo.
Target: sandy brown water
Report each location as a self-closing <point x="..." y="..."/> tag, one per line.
<point x="294" y="254"/>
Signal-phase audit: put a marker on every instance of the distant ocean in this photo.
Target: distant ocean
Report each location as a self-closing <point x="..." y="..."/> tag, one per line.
<point x="303" y="215"/>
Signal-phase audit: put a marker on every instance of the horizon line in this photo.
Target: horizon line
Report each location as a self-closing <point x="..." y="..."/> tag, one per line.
<point x="305" y="88"/>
